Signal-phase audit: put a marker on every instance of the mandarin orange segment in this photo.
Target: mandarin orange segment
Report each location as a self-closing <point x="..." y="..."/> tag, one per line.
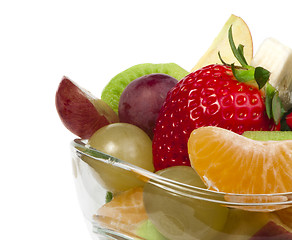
<point x="232" y="163"/>
<point x="124" y="212"/>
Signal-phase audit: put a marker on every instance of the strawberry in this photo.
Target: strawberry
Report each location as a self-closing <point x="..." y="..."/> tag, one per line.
<point x="289" y="120"/>
<point x="210" y="96"/>
<point x="216" y="95"/>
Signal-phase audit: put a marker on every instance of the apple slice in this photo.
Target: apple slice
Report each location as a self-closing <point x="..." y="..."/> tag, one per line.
<point x="241" y="35"/>
<point x="80" y="111"/>
<point x="272" y="231"/>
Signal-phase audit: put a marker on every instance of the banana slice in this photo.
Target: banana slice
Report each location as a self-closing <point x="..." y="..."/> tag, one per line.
<point x="277" y="58"/>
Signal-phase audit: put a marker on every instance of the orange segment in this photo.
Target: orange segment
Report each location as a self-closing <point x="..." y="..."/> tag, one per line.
<point x="229" y="162"/>
<point x="124" y="212"/>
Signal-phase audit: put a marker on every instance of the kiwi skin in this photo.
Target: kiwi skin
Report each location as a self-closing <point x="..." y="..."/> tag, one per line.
<point x="268" y="135"/>
<point x="113" y="90"/>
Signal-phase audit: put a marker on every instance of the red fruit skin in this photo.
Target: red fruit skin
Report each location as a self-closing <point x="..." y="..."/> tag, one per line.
<point x="289" y="120"/>
<point x="78" y="113"/>
<point x="272" y="231"/>
<point x="210" y="96"/>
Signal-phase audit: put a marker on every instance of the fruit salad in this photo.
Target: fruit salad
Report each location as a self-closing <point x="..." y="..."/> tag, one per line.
<point x="167" y="153"/>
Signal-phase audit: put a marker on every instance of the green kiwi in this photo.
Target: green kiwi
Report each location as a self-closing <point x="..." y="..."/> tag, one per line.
<point x="113" y="90"/>
<point x="268" y="135"/>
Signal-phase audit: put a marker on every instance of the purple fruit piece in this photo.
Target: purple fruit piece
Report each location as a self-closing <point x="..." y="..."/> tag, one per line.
<point x="80" y="111"/>
<point x="272" y="231"/>
<point x="142" y="99"/>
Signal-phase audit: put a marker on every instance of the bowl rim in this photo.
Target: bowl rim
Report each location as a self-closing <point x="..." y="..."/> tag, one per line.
<point x="82" y="148"/>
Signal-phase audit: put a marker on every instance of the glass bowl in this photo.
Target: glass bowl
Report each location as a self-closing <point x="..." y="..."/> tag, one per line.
<point x="156" y="207"/>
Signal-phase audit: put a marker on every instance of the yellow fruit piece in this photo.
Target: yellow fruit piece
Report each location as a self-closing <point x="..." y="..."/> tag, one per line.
<point x="285" y="216"/>
<point x="231" y="163"/>
<point x="124" y="213"/>
<point x="241" y="35"/>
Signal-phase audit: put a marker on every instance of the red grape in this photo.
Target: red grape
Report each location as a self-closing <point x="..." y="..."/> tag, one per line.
<point x="143" y="98"/>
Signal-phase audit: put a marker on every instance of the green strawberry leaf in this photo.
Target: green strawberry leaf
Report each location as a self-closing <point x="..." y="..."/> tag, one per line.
<point x="261" y="76"/>
<point x="238" y="52"/>
<point x="277" y="108"/>
<point x="221" y="59"/>
<point x="270" y="92"/>
<point x="242" y="74"/>
<point x="246" y="73"/>
<point x="274" y="107"/>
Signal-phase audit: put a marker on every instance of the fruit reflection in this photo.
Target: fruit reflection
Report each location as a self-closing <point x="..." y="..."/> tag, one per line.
<point x="182" y="218"/>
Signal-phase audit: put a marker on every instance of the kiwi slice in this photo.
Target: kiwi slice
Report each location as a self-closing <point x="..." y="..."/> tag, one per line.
<point x="268" y="135"/>
<point x="113" y="90"/>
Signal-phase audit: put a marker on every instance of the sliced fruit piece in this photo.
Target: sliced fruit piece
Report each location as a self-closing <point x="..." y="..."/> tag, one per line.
<point x="272" y="231"/>
<point x="178" y="217"/>
<point x="124" y="213"/>
<point x="142" y="99"/>
<point x="126" y="142"/>
<point x="246" y="166"/>
<point x="277" y="58"/>
<point x="220" y="44"/>
<point x="268" y="135"/>
<point x="113" y="90"/>
<point x="80" y="111"/>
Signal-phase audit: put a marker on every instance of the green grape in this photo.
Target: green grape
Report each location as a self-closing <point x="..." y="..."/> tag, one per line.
<point x="182" y="218"/>
<point x="126" y="142"/>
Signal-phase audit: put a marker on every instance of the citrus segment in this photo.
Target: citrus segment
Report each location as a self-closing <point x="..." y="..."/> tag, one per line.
<point x="124" y="212"/>
<point x="232" y="163"/>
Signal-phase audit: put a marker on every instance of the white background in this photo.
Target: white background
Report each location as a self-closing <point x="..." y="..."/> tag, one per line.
<point x="90" y="42"/>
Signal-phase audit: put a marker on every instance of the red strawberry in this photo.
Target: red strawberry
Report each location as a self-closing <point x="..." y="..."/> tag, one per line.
<point x="211" y="96"/>
<point x="289" y="120"/>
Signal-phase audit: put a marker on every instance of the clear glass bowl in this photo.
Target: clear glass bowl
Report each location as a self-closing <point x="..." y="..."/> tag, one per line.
<point x="169" y="209"/>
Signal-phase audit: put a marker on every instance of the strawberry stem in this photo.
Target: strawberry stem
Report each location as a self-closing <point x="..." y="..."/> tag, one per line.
<point x="270" y="91"/>
<point x="261" y="76"/>
<point x="242" y="74"/>
<point x="246" y="73"/>
<point x="274" y="106"/>
<point x="237" y="52"/>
